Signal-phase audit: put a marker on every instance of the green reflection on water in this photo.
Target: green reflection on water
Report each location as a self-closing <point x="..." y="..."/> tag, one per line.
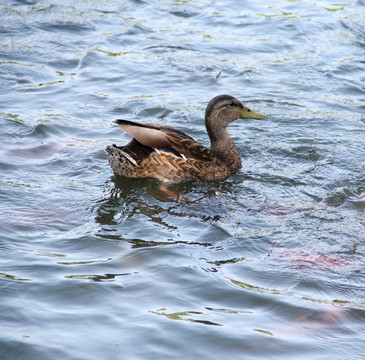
<point x="115" y="54"/>
<point x="254" y="287"/>
<point x="229" y="261"/>
<point x="49" y="83"/>
<point x="95" y="277"/>
<point x="342" y="7"/>
<point x="182" y="316"/>
<point x="12" y="116"/>
<point x="267" y="332"/>
<point x="13" y="277"/>
<point x="81" y="262"/>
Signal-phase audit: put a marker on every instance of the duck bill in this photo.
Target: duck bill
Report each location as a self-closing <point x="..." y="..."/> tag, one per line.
<point x="249" y="114"/>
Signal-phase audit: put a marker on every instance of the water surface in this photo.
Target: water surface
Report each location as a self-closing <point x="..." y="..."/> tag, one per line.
<point x="268" y="263"/>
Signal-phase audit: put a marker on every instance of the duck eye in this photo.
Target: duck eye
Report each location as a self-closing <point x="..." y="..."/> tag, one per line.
<point x="231" y="104"/>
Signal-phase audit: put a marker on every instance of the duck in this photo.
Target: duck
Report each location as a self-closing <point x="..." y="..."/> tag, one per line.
<point x="171" y="156"/>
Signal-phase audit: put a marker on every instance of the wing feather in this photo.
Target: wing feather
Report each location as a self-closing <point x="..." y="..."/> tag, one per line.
<point x="164" y="137"/>
<point x="144" y="133"/>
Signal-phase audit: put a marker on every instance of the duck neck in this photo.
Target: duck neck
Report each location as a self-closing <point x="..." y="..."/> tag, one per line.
<point x="223" y="147"/>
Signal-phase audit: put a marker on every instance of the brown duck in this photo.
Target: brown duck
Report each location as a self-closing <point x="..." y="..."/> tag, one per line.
<point x="169" y="155"/>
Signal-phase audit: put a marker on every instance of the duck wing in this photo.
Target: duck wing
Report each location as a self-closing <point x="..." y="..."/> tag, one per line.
<point x="164" y="137"/>
<point x="147" y="134"/>
<point x="187" y="146"/>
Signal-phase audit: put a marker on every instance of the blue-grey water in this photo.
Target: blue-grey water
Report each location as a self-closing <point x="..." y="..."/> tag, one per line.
<point x="267" y="264"/>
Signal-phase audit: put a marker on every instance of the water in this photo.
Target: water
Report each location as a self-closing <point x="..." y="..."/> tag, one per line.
<point x="266" y="264"/>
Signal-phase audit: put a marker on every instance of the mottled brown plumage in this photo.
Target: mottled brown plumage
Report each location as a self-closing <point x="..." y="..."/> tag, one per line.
<point x="169" y="155"/>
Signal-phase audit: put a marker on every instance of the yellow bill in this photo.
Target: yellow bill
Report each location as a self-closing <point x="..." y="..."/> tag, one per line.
<point x="250" y="114"/>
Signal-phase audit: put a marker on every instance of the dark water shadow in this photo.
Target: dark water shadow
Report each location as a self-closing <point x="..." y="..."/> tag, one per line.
<point x="141" y="203"/>
<point x="193" y="198"/>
